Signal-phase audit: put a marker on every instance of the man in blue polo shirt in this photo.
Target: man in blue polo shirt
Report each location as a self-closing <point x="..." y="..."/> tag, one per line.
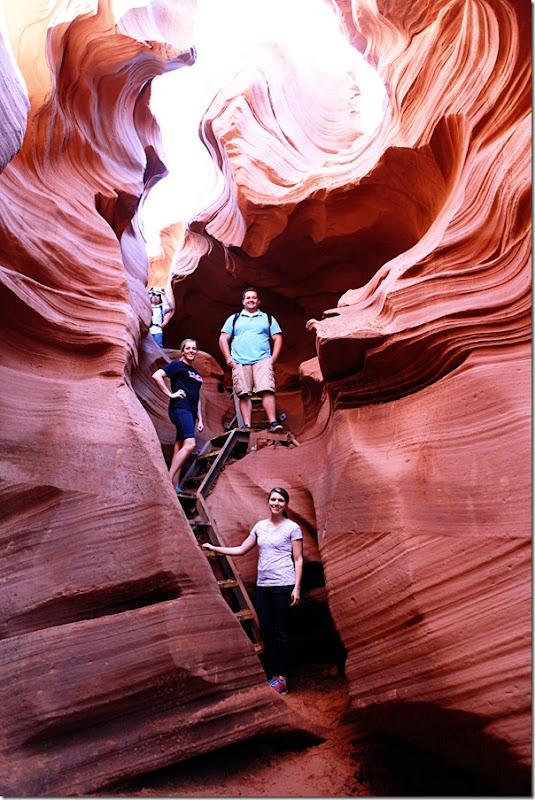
<point x="246" y="347"/>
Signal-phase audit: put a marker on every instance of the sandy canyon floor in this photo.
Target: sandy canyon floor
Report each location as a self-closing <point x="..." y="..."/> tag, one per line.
<point x="351" y="762"/>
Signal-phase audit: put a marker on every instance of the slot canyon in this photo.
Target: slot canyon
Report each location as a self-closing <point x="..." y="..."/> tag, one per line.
<point x="398" y="264"/>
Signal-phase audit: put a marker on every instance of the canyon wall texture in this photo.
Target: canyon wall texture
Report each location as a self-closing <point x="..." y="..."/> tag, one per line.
<point x="414" y="405"/>
<point x="398" y="265"/>
<point x="118" y="653"/>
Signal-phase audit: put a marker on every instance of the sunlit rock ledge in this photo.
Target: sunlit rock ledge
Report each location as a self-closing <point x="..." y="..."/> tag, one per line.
<point x="399" y="268"/>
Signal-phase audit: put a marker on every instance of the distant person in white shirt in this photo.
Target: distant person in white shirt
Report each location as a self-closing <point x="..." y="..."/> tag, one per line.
<point x="245" y="342"/>
<point x="160" y="308"/>
<point x="278" y="583"/>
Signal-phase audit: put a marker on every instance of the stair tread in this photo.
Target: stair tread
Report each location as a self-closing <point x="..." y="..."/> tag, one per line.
<point x="244" y="614"/>
<point x="210" y="454"/>
<point x="228" y="583"/>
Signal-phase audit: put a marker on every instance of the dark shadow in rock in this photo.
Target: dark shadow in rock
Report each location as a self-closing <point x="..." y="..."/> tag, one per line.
<point x="472" y="761"/>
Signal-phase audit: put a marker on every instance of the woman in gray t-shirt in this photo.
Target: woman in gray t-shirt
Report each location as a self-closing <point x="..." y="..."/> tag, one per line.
<point x="278" y="583"/>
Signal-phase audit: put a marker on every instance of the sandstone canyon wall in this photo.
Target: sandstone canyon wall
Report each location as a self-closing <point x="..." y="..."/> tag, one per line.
<point x="398" y="265"/>
<point x="413" y="393"/>
<point x="118" y="653"/>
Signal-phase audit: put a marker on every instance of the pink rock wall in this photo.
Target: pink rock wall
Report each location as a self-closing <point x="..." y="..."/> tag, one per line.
<point x="117" y="654"/>
<point x="399" y="268"/>
<point x="419" y="398"/>
<point x="13" y="108"/>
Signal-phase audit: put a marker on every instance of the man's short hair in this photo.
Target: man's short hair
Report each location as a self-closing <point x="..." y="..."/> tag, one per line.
<point x="250" y="289"/>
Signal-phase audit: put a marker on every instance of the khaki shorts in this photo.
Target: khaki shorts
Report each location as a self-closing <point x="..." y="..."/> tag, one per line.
<point x="258" y="376"/>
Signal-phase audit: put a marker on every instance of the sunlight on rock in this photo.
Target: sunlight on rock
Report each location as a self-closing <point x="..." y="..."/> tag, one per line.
<point x="236" y="41"/>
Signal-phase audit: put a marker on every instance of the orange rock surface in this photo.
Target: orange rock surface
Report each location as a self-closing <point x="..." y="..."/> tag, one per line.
<point x="398" y="265"/>
<point x="118" y="652"/>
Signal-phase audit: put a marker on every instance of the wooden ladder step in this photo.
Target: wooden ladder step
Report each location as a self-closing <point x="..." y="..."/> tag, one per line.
<point x="212" y="554"/>
<point x="210" y="454"/>
<point x="244" y="615"/>
<point x="228" y="583"/>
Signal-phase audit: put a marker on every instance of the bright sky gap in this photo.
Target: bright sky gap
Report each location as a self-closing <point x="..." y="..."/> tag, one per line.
<point x="228" y="35"/>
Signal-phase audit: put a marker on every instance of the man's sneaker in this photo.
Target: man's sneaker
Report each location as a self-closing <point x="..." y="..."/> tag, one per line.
<point x="279" y="684"/>
<point x="274" y="426"/>
<point x="245" y="428"/>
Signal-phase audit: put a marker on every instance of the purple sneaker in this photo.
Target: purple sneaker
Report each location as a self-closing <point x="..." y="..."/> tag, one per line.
<point x="279" y="684"/>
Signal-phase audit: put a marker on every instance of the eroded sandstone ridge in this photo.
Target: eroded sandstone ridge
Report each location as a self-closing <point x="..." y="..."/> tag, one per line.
<point x="414" y="386"/>
<point x="118" y="654"/>
<point x="398" y="265"/>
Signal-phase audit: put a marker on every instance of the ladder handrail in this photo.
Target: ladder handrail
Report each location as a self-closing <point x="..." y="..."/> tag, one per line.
<point x="243" y="591"/>
<point x="191" y="468"/>
<point x="233" y="437"/>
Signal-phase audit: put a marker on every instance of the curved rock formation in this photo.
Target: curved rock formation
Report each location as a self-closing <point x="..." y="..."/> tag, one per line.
<point x="118" y="653"/>
<point x="398" y="265"/>
<point x="419" y="398"/>
<point x="13" y="108"/>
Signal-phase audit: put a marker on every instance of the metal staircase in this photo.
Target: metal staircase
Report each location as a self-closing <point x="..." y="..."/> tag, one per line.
<point x="196" y="485"/>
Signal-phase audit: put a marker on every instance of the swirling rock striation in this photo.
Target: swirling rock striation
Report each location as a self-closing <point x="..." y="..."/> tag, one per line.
<point x="14" y="108"/>
<point x="117" y="652"/>
<point x="418" y="396"/>
<point x="408" y="255"/>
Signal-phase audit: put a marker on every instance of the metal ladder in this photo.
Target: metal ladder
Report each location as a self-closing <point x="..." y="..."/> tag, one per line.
<point x="197" y="482"/>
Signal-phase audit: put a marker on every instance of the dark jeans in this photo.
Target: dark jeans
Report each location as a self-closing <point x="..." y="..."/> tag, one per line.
<point x="273" y="609"/>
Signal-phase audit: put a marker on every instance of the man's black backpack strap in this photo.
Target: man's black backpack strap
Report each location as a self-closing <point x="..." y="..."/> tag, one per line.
<point x="237" y="314"/>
